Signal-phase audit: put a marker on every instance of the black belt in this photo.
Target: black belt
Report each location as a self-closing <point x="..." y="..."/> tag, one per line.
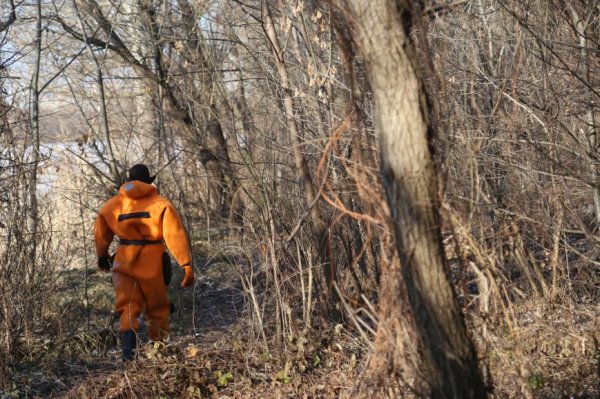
<point x="123" y="241"/>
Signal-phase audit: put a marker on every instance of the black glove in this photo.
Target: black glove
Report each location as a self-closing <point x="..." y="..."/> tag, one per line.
<point x="104" y="263"/>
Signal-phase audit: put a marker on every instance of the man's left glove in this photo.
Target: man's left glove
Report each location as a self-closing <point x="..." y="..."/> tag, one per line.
<point x="188" y="278"/>
<point x="104" y="263"/>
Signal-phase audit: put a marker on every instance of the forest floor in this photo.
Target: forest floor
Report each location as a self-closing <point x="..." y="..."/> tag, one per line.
<point x="215" y="349"/>
<point x="211" y="351"/>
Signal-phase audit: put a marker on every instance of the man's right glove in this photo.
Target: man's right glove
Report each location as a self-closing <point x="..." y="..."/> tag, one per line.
<point x="104" y="263"/>
<point x="188" y="278"/>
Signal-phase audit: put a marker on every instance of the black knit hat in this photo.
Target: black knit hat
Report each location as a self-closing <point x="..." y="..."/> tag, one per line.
<point x="140" y="172"/>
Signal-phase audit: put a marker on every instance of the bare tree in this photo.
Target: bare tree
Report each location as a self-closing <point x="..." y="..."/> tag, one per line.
<point x="583" y="27"/>
<point x="112" y="164"/>
<point x="183" y="99"/>
<point x="34" y="119"/>
<point x="12" y="17"/>
<point x="319" y="227"/>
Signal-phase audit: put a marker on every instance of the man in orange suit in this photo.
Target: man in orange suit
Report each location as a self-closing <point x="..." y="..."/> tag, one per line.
<point x="146" y="224"/>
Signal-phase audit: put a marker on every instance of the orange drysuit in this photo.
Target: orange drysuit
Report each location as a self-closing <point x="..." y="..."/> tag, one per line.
<point x="144" y="222"/>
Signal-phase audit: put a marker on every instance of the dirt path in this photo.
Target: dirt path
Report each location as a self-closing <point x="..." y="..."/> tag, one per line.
<point x="216" y="301"/>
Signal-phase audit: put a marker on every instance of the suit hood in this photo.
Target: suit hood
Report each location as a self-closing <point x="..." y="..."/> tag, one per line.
<point x="135" y="189"/>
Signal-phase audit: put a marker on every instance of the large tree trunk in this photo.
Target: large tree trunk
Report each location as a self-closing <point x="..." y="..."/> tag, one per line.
<point x="410" y="182"/>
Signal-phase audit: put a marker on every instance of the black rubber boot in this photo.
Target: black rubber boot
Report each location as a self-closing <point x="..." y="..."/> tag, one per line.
<point x="129" y="341"/>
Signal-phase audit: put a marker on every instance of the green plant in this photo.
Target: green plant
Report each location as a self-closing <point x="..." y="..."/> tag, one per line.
<point x="222" y="378"/>
<point x="535" y="381"/>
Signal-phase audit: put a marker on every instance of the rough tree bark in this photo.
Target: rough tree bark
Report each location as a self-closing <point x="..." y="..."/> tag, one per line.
<point x="409" y="176"/>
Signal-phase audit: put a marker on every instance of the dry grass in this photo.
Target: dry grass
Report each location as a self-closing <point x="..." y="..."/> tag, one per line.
<point x="190" y="368"/>
<point x="550" y="351"/>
